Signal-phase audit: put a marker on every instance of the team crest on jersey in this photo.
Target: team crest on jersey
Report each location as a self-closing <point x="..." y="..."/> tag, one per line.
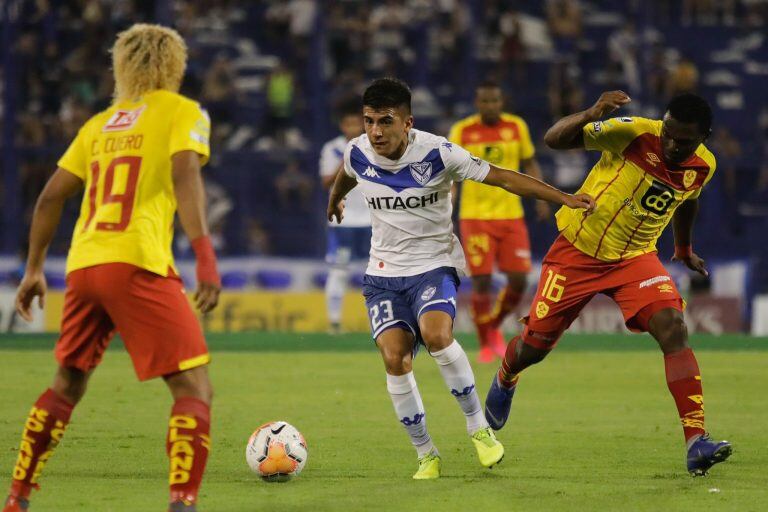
<point x="688" y="178"/>
<point x="428" y="293"/>
<point x="421" y="172"/>
<point x="541" y="309"/>
<point x="123" y="120"/>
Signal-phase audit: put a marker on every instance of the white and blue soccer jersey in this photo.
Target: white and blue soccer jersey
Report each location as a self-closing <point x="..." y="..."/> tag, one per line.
<point x="355" y="210"/>
<point x="410" y="202"/>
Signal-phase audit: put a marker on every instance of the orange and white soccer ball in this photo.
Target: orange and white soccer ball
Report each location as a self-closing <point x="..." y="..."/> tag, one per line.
<point x="276" y="451"/>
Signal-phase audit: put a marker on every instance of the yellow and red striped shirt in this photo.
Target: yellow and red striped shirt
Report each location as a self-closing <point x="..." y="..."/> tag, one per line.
<point x="504" y="145"/>
<point x="635" y="190"/>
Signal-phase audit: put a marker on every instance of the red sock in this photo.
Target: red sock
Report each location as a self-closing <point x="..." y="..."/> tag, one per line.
<point x="481" y="315"/>
<point x="188" y="445"/>
<point x="684" y="382"/>
<point x="43" y="430"/>
<point x="507" y="377"/>
<point x="505" y="304"/>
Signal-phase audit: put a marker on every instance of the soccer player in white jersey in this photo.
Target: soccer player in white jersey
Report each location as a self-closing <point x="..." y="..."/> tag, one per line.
<point x="413" y="272"/>
<point x="352" y="239"/>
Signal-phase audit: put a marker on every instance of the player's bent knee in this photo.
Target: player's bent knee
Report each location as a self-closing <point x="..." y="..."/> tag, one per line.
<point x="191" y="383"/>
<point x="669" y="328"/>
<point x="70" y="384"/>
<point x="437" y="340"/>
<point x="395" y="362"/>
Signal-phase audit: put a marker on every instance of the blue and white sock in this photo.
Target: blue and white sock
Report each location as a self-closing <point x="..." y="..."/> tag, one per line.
<point x="410" y="411"/>
<point x="457" y="374"/>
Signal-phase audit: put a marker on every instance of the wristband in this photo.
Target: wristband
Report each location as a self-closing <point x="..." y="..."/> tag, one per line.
<point x="206" y="261"/>
<point x="683" y="251"/>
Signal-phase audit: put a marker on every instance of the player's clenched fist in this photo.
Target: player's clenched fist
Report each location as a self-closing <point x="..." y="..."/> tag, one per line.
<point x="608" y="102"/>
<point x="576" y="201"/>
<point x="336" y="212"/>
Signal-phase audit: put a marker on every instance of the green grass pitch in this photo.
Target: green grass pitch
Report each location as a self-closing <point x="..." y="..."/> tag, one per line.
<point x="592" y="428"/>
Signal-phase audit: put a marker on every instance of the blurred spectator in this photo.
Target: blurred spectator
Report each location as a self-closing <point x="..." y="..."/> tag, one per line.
<point x="564" y="19"/>
<point x="698" y="11"/>
<point x="728" y="151"/>
<point x="280" y="102"/>
<point x="565" y="90"/>
<point x="623" y="58"/>
<point x="294" y="188"/>
<point x="258" y="243"/>
<point x="684" y="77"/>
<point x="219" y="94"/>
<point x="388" y="46"/>
<point x="347" y="25"/>
<point x="512" y="48"/>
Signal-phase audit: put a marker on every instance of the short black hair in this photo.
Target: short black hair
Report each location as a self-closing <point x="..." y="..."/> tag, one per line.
<point x="691" y="108"/>
<point x="387" y="93"/>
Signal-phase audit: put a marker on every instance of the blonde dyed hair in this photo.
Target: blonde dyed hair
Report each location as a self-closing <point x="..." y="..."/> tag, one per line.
<point x="146" y="58"/>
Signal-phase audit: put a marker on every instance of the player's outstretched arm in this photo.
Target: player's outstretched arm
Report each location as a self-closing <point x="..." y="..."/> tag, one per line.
<point x="341" y="187"/>
<point x="682" y="225"/>
<point x="62" y="185"/>
<point x="567" y="132"/>
<point x="190" y="199"/>
<point x="531" y="167"/>
<point x="525" y="186"/>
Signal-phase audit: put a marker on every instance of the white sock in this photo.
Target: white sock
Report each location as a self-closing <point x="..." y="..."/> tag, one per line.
<point x="335" y="286"/>
<point x="410" y="411"/>
<point x="457" y="374"/>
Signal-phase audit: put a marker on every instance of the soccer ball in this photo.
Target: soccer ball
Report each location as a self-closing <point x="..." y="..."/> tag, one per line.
<point x="276" y="451"/>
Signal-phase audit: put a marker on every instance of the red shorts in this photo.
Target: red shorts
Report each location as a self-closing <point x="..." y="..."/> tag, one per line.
<point x="504" y="242"/>
<point x="151" y="313"/>
<point x="641" y="286"/>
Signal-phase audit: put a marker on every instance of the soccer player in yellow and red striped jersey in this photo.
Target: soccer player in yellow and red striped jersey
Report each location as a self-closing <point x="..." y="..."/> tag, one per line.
<point x="492" y="226"/>
<point x="138" y="162"/>
<point x="651" y="172"/>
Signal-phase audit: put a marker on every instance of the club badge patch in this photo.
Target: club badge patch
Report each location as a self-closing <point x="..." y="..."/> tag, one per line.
<point x="421" y="172"/>
<point x="428" y="293"/>
<point x="688" y="178"/>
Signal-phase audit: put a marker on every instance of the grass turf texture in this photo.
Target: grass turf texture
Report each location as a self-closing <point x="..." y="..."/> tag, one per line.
<point x="592" y="428"/>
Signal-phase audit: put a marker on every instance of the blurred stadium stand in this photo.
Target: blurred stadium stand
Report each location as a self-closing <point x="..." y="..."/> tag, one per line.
<point x="271" y="72"/>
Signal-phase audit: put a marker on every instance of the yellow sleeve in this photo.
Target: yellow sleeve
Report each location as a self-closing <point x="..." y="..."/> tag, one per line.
<point x="612" y="134"/>
<point x="75" y="159"/>
<point x="712" y="166"/>
<point x="191" y="130"/>
<point x="527" y="149"/>
<point x="455" y="134"/>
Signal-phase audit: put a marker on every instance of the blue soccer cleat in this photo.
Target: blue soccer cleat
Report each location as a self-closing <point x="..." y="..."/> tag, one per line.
<point x="498" y="402"/>
<point x="705" y="453"/>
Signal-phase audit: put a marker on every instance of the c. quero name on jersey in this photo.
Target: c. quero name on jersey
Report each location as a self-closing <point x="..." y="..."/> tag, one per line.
<point x="402" y="203"/>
